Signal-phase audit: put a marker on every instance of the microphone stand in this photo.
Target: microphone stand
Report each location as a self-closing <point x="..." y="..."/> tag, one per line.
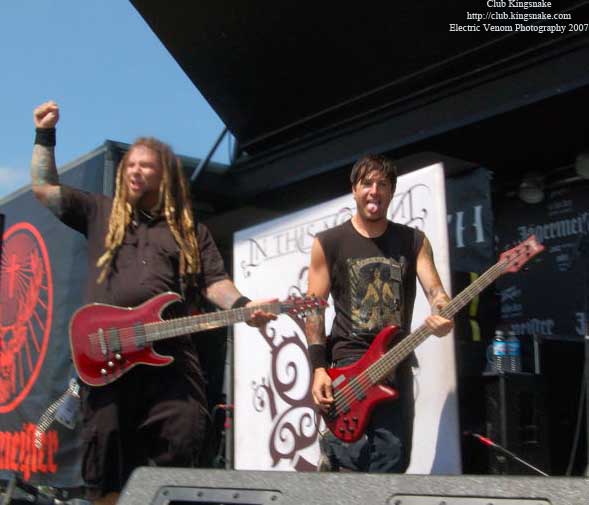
<point x="19" y="492"/>
<point x="488" y="442"/>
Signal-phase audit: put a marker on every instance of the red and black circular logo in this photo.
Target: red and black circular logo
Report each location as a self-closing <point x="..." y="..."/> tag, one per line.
<point x="26" y="310"/>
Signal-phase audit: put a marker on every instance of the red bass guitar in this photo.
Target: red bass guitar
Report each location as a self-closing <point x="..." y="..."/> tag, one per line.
<point x="107" y="341"/>
<point x="358" y="388"/>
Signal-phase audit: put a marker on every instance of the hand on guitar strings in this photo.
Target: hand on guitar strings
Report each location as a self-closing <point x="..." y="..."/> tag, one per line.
<point x="322" y="390"/>
<point x="438" y="325"/>
<point x="259" y="317"/>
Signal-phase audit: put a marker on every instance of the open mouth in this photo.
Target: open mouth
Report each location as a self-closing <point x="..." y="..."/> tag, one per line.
<point x="134" y="185"/>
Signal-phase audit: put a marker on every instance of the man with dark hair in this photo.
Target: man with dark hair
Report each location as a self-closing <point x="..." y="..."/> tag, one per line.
<point x="370" y="265"/>
<point x="141" y="243"/>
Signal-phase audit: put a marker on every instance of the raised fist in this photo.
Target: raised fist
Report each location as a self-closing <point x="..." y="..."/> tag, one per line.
<point x="46" y="115"/>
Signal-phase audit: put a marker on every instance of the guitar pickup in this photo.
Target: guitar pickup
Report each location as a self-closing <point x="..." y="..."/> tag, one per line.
<point x="102" y="342"/>
<point x="114" y="340"/>
<point x="140" y="339"/>
<point x="359" y="391"/>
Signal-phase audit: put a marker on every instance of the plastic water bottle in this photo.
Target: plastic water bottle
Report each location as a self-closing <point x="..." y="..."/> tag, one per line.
<point x="514" y="355"/>
<point x="499" y="352"/>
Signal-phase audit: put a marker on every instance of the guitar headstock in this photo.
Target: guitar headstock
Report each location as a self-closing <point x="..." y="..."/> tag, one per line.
<point x="302" y="306"/>
<point x="517" y="257"/>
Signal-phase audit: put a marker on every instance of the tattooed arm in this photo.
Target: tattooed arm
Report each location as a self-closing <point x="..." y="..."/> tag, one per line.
<point x="319" y="285"/>
<point x="45" y="181"/>
<point x="224" y="294"/>
<point x="433" y="289"/>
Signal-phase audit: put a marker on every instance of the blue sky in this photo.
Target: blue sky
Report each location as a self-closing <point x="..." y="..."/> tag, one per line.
<point x="111" y="76"/>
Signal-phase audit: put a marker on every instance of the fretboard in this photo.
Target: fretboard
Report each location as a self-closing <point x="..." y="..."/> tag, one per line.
<point x="383" y="367"/>
<point x="191" y="324"/>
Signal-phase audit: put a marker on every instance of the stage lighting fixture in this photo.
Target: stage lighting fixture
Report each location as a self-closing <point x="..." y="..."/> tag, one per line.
<point x="582" y="165"/>
<point x="531" y="189"/>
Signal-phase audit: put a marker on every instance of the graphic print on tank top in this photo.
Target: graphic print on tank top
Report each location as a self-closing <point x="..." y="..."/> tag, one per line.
<point x="375" y="293"/>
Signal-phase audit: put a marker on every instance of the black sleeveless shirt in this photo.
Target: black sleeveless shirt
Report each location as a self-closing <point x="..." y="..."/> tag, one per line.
<point x="372" y="283"/>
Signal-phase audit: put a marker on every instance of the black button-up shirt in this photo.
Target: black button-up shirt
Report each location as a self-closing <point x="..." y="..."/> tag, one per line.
<point x="146" y="264"/>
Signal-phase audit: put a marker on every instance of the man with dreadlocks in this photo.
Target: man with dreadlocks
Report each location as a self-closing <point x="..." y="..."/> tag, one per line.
<point x="140" y="244"/>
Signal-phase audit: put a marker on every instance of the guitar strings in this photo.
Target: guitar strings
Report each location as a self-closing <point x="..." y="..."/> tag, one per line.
<point x="178" y="326"/>
<point x="374" y="374"/>
<point x="181" y="325"/>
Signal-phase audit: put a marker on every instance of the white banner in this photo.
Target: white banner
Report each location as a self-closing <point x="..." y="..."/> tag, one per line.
<point x="275" y="423"/>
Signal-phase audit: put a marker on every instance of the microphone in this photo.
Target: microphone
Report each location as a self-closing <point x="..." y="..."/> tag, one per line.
<point x="490" y="443"/>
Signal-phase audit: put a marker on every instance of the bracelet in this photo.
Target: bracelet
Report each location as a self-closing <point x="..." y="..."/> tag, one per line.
<point x="45" y="136"/>
<point x="317" y="356"/>
<point x="242" y="301"/>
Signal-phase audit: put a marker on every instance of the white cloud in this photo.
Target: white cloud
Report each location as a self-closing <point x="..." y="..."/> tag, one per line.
<point x="12" y="179"/>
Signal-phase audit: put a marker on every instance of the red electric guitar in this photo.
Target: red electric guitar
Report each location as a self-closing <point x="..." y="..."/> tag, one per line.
<point x="107" y="341"/>
<point x="357" y="388"/>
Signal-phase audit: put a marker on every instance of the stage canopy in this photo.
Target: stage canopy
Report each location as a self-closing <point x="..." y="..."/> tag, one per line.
<point x="309" y="85"/>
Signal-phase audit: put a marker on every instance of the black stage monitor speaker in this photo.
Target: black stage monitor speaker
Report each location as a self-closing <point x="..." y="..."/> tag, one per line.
<point x="181" y="486"/>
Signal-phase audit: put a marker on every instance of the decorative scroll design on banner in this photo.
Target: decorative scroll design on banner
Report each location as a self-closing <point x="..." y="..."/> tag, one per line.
<point x="294" y="428"/>
<point x="404" y="209"/>
<point x="26" y="309"/>
<point x="300" y="289"/>
<point x="290" y="240"/>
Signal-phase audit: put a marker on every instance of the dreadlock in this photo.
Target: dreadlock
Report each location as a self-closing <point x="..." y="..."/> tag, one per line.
<point x="174" y="200"/>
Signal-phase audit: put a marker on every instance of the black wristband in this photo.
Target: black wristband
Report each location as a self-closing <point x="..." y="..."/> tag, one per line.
<point x="317" y="356"/>
<point x="242" y="301"/>
<point x="45" y="136"/>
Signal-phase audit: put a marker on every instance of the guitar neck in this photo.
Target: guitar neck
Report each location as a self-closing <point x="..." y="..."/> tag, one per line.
<point x="171" y="328"/>
<point x="383" y="367"/>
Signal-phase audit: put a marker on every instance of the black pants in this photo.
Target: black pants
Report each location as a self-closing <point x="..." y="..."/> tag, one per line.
<point x="150" y="416"/>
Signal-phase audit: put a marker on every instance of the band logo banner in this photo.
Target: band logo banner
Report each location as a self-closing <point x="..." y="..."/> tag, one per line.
<point x="42" y="277"/>
<point x="547" y="302"/>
